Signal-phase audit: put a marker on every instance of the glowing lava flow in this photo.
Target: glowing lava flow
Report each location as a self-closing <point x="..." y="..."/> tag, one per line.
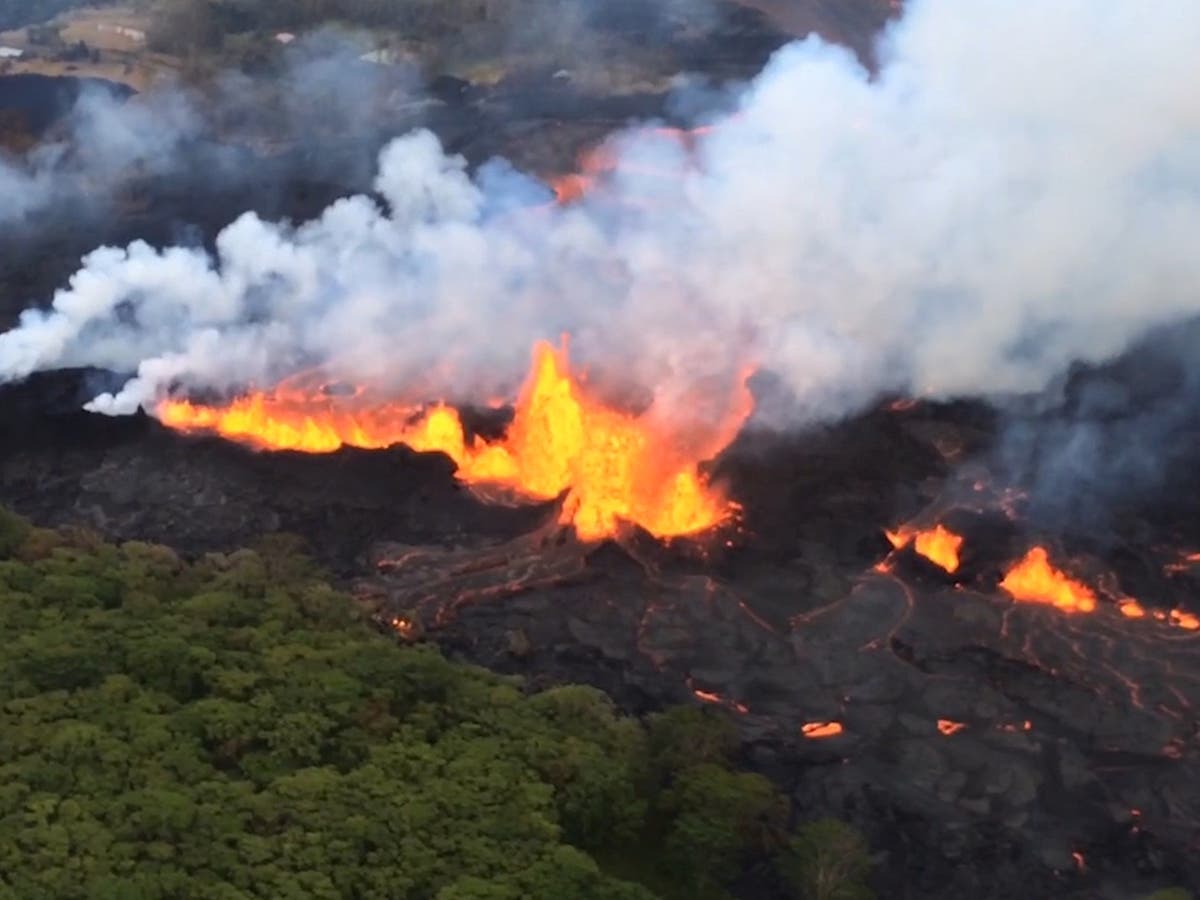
<point x="939" y="545"/>
<point x="1034" y="580"/>
<point x="1185" y="562"/>
<point x="599" y="162"/>
<point x="616" y="466"/>
<point x="1131" y="609"/>
<point x="816" y="731"/>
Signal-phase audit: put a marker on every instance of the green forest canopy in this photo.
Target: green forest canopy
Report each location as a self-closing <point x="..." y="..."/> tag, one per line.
<point x="233" y="727"/>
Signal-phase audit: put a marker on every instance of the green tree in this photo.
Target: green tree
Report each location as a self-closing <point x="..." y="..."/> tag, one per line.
<point x="13" y="532"/>
<point x="827" y="860"/>
<point x="234" y="728"/>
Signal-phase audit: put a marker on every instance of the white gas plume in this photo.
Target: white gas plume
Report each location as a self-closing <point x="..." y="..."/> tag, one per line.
<point x="1017" y="187"/>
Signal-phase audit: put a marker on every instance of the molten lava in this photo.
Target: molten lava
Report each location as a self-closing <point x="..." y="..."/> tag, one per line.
<point x="1034" y="580"/>
<point x="1131" y="609"/>
<point x="403" y="627"/>
<point x="1185" y="620"/>
<point x="1184" y="563"/>
<point x="615" y="466"/>
<point x="819" y="730"/>
<point x="949" y="727"/>
<point x="710" y="697"/>
<point x="598" y="162"/>
<point x="939" y="545"/>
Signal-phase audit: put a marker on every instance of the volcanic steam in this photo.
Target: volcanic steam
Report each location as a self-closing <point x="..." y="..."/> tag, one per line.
<point x="1014" y="189"/>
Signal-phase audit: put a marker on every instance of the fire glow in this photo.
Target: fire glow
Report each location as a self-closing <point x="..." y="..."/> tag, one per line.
<point x="816" y="731"/>
<point x="1034" y="580"/>
<point x="600" y="162"/>
<point x="615" y="466"/>
<point x="939" y="545"/>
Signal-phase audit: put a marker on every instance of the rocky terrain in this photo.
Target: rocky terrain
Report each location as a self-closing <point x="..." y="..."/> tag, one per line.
<point x="986" y="746"/>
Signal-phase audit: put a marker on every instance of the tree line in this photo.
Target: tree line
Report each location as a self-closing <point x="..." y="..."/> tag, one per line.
<point x="233" y="727"/>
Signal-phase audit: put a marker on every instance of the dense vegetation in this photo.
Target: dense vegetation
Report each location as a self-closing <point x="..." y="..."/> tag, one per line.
<point x="232" y="727"/>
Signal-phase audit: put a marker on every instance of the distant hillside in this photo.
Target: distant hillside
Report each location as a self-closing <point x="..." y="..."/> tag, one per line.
<point x="19" y="13"/>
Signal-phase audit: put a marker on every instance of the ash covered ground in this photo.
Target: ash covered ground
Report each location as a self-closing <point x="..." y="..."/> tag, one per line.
<point x="984" y="746"/>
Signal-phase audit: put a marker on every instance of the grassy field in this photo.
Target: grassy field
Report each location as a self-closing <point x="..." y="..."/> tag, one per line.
<point x="116" y="34"/>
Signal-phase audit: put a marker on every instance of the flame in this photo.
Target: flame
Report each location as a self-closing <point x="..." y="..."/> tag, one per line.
<point x="616" y="466"/>
<point x="939" y="545"/>
<point x="949" y="727"/>
<point x="819" y="730"/>
<point x="1034" y="580"/>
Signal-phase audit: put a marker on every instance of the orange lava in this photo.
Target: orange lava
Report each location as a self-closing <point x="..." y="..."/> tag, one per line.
<point x="1185" y="620"/>
<point x="1034" y="580"/>
<point x="1131" y="609"/>
<point x="572" y="187"/>
<point x="598" y="162"/>
<point x="615" y="466"/>
<point x="1186" y="562"/>
<point x="949" y="727"/>
<point x="710" y="697"/>
<point x="939" y="545"/>
<point x="818" y="730"/>
<point x="403" y="627"/>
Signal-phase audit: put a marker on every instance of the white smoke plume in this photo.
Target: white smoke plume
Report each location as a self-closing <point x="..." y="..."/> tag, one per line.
<point x="103" y="136"/>
<point x="1016" y="188"/>
<point x="109" y="136"/>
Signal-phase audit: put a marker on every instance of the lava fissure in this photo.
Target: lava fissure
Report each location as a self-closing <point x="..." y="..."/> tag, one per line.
<point x="612" y="466"/>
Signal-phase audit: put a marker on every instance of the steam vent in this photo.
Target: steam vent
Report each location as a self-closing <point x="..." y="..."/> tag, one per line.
<point x="724" y="449"/>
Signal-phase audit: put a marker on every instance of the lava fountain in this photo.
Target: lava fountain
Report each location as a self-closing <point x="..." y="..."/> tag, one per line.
<point x="1035" y="580"/>
<point x="939" y="545"/>
<point x="613" y="466"/>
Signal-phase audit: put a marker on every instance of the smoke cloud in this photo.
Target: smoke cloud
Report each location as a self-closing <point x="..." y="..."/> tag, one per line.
<point x="1104" y="439"/>
<point x="103" y="137"/>
<point x="320" y="92"/>
<point x="1016" y="188"/>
